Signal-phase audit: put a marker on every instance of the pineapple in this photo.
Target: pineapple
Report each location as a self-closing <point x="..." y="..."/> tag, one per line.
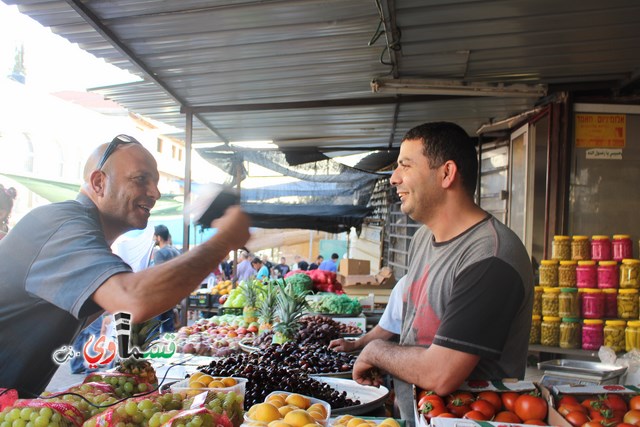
<point x="142" y="335"/>
<point x="267" y="308"/>
<point x="251" y="292"/>
<point x="290" y="307"/>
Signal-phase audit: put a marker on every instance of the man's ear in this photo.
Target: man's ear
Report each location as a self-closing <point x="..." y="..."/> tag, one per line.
<point x="449" y="173"/>
<point x="97" y="180"/>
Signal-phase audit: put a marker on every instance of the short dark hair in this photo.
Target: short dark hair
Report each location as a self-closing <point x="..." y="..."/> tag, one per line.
<point x="335" y="256"/>
<point x="162" y="231"/>
<point x="256" y="260"/>
<point x="443" y="141"/>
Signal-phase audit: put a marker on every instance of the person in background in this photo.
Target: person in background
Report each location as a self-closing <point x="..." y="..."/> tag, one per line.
<point x="7" y="196"/>
<point x="467" y="310"/>
<point x="315" y="265"/>
<point x="245" y="270"/>
<point x="388" y="327"/>
<point x="58" y="272"/>
<point x="266" y="262"/>
<point x="330" y="265"/>
<point x="262" y="272"/>
<point x="300" y="264"/>
<point x="282" y="268"/>
<point x="165" y="252"/>
<point x="226" y="268"/>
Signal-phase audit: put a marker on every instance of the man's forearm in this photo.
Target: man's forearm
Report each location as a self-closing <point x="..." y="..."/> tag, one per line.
<point x="377" y="333"/>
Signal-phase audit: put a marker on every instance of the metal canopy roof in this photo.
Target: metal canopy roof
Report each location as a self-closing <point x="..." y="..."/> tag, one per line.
<point x="298" y="72"/>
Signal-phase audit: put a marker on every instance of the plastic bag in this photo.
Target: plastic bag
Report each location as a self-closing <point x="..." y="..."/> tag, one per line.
<point x="630" y="360"/>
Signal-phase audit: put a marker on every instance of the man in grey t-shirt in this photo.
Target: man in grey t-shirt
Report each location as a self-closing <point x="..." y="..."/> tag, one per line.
<point x="58" y="272"/>
<point x="467" y="310"/>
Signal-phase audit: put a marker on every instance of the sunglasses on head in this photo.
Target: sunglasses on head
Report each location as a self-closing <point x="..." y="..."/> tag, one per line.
<point x="115" y="142"/>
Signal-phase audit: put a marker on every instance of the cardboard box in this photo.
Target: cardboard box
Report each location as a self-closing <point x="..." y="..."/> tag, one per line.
<point x="351" y="266"/>
<point x="359" y="321"/>
<point x="385" y="277"/>
<point x="356" y="279"/>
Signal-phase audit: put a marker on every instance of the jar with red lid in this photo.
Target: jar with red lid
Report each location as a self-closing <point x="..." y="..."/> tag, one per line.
<point x="592" y="303"/>
<point x="592" y="334"/>
<point x="561" y="248"/>
<point x="600" y="248"/>
<point x="610" y="302"/>
<point x="621" y="247"/>
<point x="586" y="274"/>
<point x="608" y="275"/>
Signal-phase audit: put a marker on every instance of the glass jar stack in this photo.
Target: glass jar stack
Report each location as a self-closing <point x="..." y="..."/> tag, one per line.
<point x="588" y="293"/>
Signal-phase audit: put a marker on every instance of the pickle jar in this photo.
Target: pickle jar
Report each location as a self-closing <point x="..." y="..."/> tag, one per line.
<point x="610" y="302"/>
<point x="592" y="303"/>
<point x="586" y="274"/>
<point x="614" y="335"/>
<point x="592" y="334"/>
<point x="534" y="335"/>
<point x="548" y="272"/>
<point x="550" y="298"/>
<point x="632" y="335"/>
<point x="537" y="300"/>
<point x="550" y="331"/>
<point x="567" y="274"/>
<point x="561" y="248"/>
<point x="629" y="270"/>
<point x="608" y="274"/>
<point x="621" y="247"/>
<point x="580" y="248"/>
<point x="568" y="304"/>
<point x="600" y="248"/>
<point x="570" y="332"/>
<point x="628" y="304"/>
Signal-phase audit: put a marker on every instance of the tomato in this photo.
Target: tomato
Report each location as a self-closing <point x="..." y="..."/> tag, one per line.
<point x="615" y="402"/>
<point x="577" y="418"/>
<point x="632" y="417"/>
<point x="592" y="403"/>
<point x="625" y="425"/>
<point x="529" y="407"/>
<point x="431" y="409"/>
<point x="509" y="400"/>
<point x="475" y="415"/>
<point x="507" y="417"/>
<point x="485" y="407"/>
<point x="565" y="408"/>
<point x="433" y="398"/>
<point x="535" y="422"/>
<point x="491" y="397"/>
<point x="457" y="408"/>
<point x="445" y="415"/>
<point x="424" y="393"/>
<point x="567" y="398"/>
<point x="464" y="397"/>
<point x="591" y="424"/>
<point x="634" y="403"/>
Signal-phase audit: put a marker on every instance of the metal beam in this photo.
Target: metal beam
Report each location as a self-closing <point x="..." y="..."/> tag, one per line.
<point x="325" y="103"/>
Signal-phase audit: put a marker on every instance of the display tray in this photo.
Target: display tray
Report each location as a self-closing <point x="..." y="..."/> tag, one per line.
<point x="313" y="313"/>
<point x="582" y="367"/>
<point x="370" y="397"/>
<point x="246" y="347"/>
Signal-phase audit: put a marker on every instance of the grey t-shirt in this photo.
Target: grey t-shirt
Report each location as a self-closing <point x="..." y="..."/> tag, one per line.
<point x="53" y="260"/>
<point x="165" y="254"/>
<point x="473" y="293"/>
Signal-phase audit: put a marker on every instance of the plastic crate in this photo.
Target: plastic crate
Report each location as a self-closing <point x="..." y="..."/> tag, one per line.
<point x="230" y="310"/>
<point x="203" y="300"/>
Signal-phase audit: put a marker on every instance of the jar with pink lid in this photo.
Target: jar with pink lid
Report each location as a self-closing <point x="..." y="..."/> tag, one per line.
<point x="621" y="247"/>
<point x="586" y="274"/>
<point x="608" y="274"/>
<point x="600" y="248"/>
<point x="592" y="303"/>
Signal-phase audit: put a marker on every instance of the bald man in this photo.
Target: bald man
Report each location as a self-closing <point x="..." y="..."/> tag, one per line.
<point x="58" y="272"/>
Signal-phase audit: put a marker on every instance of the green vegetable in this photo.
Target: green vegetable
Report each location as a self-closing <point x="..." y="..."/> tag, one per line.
<point x="331" y="303"/>
<point x="300" y="282"/>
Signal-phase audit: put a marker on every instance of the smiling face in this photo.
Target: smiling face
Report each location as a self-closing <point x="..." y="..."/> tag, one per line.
<point x="130" y="189"/>
<point x="417" y="184"/>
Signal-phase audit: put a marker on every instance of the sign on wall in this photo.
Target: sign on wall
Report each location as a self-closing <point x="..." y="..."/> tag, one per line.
<point x="600" y="130"/>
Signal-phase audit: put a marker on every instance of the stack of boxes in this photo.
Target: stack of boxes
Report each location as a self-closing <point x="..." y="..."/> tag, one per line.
<point x="588" y="295"/>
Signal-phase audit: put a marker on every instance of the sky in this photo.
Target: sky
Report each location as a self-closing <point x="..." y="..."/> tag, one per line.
<point x="52" y="63"/>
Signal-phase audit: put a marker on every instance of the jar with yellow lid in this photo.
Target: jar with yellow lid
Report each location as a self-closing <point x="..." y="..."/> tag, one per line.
<point x="580" y="248"/>
<point x="608" y="275"/>
<point x="548" y="272"/>
<point x="550" y="331"/>
<point x="592" y="303"/>
<point x="537" y="300"/>
<point x="628" y="304"/>
<point x="534" y="334"/>
<point x="600" y="248"/>
<point x="630" y="273"/>
<point x="610" y="302"/>
<point x="586" y="274"/>
<point x="567" y="274"/>
<point x="592" y="334"/>
<point x="632" y="335"/>
<point x="568" y="303"/>
<point x="550" y="301"/>
<point x="570" y="332"/>
<point x="614" y="335"/>
<point x="561" y="248"/>
<point x="621" y="247"/>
